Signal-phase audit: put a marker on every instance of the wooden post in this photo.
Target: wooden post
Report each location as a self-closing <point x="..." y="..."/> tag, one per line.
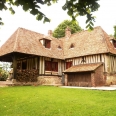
<point x="14" y="67"/>
<point x="40" y="65"/>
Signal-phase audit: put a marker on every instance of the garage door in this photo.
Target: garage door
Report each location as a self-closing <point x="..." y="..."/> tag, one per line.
<point x="79" y="79"/>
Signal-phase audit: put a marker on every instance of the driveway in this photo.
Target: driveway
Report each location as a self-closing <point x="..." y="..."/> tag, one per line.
<point x="112" y="87"/>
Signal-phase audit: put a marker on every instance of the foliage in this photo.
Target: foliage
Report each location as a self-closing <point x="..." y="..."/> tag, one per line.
<point x="56" y="101"/>
<point x="3" y="75"/>
<point x="82" y="8"/>
<point x="115" y="31"/>
<point x="60" y="30"/>
<point x="73" y="8"/>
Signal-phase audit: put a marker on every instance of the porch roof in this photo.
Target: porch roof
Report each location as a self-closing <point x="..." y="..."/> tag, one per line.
<point x="83" y="68"/>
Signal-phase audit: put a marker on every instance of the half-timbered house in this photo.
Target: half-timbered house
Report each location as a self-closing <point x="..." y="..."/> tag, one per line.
<point x="86" y="58"/>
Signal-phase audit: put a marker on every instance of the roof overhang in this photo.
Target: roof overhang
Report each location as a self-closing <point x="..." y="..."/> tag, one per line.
<point x="83" y="68"/>
<point x="9" y="57"/>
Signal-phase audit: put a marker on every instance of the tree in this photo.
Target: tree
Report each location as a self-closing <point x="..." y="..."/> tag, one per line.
<point x="73" y="8"/>
<point x="115" y="31"/>
<point x="60" y="29"/>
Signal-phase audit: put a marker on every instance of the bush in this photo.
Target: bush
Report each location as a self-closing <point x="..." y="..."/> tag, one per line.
<point x="3" y="75"/>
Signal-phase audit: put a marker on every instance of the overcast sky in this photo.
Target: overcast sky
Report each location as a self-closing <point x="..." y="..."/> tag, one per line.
<point x="105" y="17"/>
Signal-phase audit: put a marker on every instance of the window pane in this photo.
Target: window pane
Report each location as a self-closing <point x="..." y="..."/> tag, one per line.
<point x="68" y="64"/>
<point x="47" y="66"/>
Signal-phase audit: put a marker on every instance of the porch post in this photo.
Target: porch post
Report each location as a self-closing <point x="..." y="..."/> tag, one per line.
<point x="14" y="67"/>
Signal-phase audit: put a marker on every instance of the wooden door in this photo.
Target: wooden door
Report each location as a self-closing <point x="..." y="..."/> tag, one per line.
<point x="79" y="79"/>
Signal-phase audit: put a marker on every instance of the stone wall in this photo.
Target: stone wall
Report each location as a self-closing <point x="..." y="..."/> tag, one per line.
<point x="111" y="79"/>
<point x="49" y="80"/>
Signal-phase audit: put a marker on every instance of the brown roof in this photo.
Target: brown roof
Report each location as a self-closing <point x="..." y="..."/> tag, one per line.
<point x="84" y="43"/>
<point x="87" y="43"/>
<point x="83" y="68"/>
<point x="26" y="41"/>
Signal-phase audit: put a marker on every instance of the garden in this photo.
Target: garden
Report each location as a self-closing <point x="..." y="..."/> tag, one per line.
<point x="56" y="101"/>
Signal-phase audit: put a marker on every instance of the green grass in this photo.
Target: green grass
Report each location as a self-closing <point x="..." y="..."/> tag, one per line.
<point x="56" y="101"/>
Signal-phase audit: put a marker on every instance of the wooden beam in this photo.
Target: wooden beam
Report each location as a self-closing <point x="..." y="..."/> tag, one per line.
<point x="14" y="66"/>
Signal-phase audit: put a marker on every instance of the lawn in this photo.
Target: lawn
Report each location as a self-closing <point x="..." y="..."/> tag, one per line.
<point x="56" y="101"/>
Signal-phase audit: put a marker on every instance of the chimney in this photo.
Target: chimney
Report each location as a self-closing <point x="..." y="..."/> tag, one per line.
<point x="67" y="32"/>
<point x="50" y="32"/>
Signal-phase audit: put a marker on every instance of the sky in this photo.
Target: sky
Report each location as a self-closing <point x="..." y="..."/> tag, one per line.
<point x="105" y="17"/>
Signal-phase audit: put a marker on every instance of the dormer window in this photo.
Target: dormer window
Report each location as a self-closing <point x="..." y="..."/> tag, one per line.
<point x="71" y="46"/>
<point x="46" y="43"/>
<point x="113" y="41"/>
<point x="59" y="47"/>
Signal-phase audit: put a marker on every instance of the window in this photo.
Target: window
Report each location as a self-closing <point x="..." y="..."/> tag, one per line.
<point x="48" y="65"/>
<point x="54" y="66"/>
<point x="68" y="64"/>
<point x="59" y="47"/>
<point x="114" y="43"/>
<point x="47" y="43"/>
<point x="72" y="46"/>
<point x="51" y="66"/>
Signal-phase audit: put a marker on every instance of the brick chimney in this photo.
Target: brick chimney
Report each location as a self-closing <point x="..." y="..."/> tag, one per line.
<point x="67" y="32"/>
<point x="50" y="32"/>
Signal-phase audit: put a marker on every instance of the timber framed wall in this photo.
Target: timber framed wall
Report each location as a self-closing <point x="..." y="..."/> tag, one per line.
<point x="47" y="76"/>
<point x="30" y="62"/>
<point x="112" y="64"/>
<point x="109" y="66"/>
<point x="38" y="63"/>
<point x="32" y="69"/>
<point x="111" y="74"/>
<point x="104" y="58"/>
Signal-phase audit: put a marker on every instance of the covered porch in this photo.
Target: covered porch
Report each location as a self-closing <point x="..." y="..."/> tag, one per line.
<point x="25" y="66"/>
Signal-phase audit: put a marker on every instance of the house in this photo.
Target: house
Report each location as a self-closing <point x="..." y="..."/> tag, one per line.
<point x="86" y="58"/>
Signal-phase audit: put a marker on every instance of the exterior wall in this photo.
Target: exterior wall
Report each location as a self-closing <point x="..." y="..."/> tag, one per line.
<point x="111" y="79"/>
<point x="112" y="64"/>
<point x="109" y="66"/>
<point x="38" y="64"/>
<point x="49" y="80"/>
<point x="99" y="76"/>
<point x="111" y="70"/>
<point x="93" y="79"/>
<point x="66" y="79"/>
<point x="104" y="58"/>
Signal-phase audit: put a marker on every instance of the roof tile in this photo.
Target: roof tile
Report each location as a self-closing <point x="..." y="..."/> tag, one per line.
<point x="86" y="42"/>
<point x="83" y="67"/>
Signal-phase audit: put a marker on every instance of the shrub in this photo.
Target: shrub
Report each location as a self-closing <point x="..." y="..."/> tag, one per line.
<point x="3" y="75"/>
